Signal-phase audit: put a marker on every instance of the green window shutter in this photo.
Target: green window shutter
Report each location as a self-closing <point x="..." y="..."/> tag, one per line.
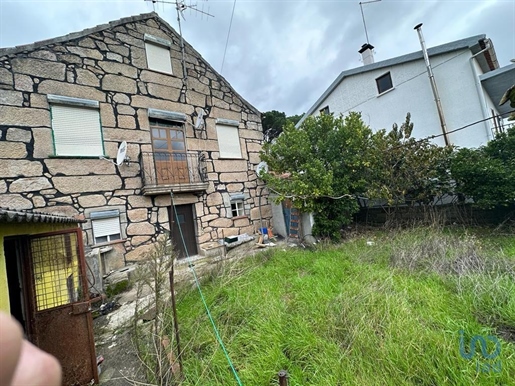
<point x="76" y="131"/>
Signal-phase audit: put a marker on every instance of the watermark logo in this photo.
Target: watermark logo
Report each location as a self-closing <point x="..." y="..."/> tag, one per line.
<point x="490" y="363"/>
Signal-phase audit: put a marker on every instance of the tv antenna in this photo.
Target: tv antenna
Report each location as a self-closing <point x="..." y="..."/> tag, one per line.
<point x="363" y="15"/>
<point x="181" y="6"/>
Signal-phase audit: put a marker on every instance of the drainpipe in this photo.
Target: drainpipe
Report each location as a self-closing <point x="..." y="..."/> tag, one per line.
<point x="479" y="90"/>
<point x="418" y="27"/>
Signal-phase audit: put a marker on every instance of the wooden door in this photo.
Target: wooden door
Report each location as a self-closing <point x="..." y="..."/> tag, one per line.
<point x="170" y="159"/>
<point x="60" y="317"/>
<point x="183" y="230"/>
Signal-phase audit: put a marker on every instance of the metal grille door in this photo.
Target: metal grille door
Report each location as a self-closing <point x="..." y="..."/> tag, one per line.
<point x="61" y="322"/>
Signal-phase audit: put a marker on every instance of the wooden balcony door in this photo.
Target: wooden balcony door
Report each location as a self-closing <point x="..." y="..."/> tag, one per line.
<point x="168" y="142"/>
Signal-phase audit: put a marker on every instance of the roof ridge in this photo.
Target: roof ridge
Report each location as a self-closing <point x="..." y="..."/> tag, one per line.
<point x="112" y="24"/>
<point x="455" y="45"/>
<point x="77" y="34"/>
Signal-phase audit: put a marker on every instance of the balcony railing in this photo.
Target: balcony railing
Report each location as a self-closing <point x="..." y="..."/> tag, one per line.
<point x="165" y="171"/>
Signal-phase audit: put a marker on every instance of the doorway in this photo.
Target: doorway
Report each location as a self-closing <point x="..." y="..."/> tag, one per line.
<point x="182" y="224"/>
<point x="15" y="279"/>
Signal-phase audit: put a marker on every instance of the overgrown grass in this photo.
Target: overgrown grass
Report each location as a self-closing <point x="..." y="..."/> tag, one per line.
<point x="385" y="314"/>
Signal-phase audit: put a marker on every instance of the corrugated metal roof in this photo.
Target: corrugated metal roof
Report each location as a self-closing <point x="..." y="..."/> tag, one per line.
<point x="438" y="50"/>
<point x="25" y="216"/>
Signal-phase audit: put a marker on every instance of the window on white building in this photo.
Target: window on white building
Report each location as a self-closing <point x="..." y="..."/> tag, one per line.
<point x="228" y="138"/>
<point x="325" y="110"/>
<point x="76" y="127"/>
<point x="384" y="83"/>
<point x="106" y="226"/>
<point x="158" y="54"/>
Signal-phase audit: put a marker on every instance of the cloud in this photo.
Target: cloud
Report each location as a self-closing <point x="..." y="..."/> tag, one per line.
<point x="283" y="54"/>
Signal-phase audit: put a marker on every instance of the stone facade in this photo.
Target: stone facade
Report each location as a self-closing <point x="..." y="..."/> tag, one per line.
<point x="107" y="64"/>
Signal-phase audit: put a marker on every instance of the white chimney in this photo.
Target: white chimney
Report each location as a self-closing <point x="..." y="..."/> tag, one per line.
<point x="367" y="53"/>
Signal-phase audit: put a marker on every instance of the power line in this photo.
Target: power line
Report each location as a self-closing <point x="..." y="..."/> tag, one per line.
<point x="455" y="130"/>
<point x="228" y="34"/>
<point x="406" y="81"/>
<point x="304" y="197"/>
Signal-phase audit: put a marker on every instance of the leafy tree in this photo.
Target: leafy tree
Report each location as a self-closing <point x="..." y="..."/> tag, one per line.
<point x="274" y="121"/>
<point x="294" y="118"/>
<point x="404" y="169"/>
<point x="325" y="157"/>
<point x="487" y="174"/>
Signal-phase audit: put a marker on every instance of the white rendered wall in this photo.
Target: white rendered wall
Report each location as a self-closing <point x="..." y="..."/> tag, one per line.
<point x="412" y="93"/>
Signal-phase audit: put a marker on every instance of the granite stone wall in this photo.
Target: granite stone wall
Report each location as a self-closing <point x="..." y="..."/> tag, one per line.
<point x="108" y="64"/>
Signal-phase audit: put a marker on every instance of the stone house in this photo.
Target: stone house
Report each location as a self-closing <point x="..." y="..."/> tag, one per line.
<point x="67" y="106"/>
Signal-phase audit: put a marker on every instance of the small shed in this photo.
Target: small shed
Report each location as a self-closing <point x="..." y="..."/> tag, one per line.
<point x="43" y="285"/>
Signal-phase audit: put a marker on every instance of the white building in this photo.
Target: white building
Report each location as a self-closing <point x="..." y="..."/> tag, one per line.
<point x="469" y="82"/>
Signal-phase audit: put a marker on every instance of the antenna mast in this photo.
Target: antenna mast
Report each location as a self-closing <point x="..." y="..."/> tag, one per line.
<point x="363" y="15"/>
<point x="180" y="6"/>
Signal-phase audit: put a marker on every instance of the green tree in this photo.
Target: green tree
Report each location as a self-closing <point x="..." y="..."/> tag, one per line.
<point x="487" y="174"/>
<point x="325" y="157"/>
<point x="294" y="118"/>
<point x="404" y="169"/>
<point x="274" y="121"/>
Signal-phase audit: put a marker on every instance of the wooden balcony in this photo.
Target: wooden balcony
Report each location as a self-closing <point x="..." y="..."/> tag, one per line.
<point x="164" y="172"/>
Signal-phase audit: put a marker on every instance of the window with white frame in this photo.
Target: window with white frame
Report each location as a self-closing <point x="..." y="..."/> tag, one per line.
<point x="228" y="138"/>
<point x="158" y="54"/>
<point x="236" y="203"/>
<point x="106" y="226"/>
<point x="76" y="127"/>
<point x="237" y="208"/>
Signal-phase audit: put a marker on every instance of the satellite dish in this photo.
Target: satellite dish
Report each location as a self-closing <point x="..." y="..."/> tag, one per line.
<point x="200" y="119"/>
<point x="122" y="153"/>
<point x="261" y="168"/>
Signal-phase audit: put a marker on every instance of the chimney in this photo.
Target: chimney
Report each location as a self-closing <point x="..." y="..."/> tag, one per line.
<point x="367" y="53"/>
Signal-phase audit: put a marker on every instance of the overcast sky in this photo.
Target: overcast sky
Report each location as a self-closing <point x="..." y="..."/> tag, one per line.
<point x="282" y="54"/>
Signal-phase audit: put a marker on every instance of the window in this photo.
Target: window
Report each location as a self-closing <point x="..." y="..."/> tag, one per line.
<point x="384" y="83"/>
<point x="76" y="127"/>
<point x="235" y="204"/>
<point x="170" y="157"/>
<point x="325" y="110"/>
<point x="158" y="54"/>
<point x="237" y="208"/>
<point x="106" y="226"/>
<point x="228" y="138"/>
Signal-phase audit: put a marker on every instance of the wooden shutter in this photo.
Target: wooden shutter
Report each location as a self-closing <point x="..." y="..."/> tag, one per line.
<point x="228" y="141"/>
<point x="77" y="131"/>
<point x="106" y="227"/>
<point x="158" y="58"/>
